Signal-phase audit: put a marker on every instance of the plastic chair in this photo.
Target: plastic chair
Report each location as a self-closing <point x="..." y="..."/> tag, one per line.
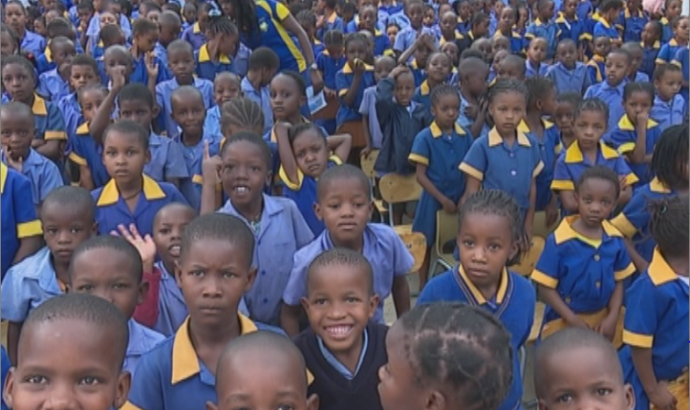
<point x="329" y="111"/>
<point x="356" y="129"/>
<point x="396" y="189"/>
<point x="416" y="244"/>
<point x="446" y="230"/>
<point x="367" y="164"/>
<point x="538" y="320"/>
<point x="529" y="261"/>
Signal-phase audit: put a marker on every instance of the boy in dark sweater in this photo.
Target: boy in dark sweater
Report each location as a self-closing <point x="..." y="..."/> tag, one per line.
<point x="342" y="348"/>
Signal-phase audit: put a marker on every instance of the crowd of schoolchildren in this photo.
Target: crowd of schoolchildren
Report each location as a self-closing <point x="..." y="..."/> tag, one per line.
<point x="177" y="233"/>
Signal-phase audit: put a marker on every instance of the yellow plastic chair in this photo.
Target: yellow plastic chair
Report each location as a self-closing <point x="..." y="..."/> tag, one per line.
<point x="367" y="164"/>
<point x="416" y="244"/>
<point x="446" y="230"/>
<point x="538" y="320"/>
<point x="529" y="261"/>
<point x="397" y="189"/>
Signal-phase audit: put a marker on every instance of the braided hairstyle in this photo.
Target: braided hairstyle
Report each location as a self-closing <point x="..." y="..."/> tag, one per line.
<point x="670" y="158"/>
<point x="539" y="88"/>
<point x="220" y="25"/>
<point x="245" y="17"/>
<point x="632" y="88"/>
<point x="668" y="225"/>
<point x="242" y="113"/>
<point x="462" y="348"/>
<point x="441" y="91"/>
<point x="593" y="105"/>
<point x="504" y="86"/>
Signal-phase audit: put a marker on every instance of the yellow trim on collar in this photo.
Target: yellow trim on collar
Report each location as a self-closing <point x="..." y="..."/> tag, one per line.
<point x="48" y="53"/>
<point x="604" y="23"/>
<point x="659" y="270"/>
<point x="110" y="194"/>
<point x="496" y="139"/>
<point x="524" y="128"/>
<point x="673" y="42"/>
<point x="657" y="186"/>
<point x="3" y="176"/>
<point x="332" y="17"/>
<point x="83" y="129"/>
<point x="436" y="131"/>
<point x="625" y="124"/>
<point x="574" y="155"/>
<point x="424" y="88"/>
<point x="205" y="57"/>
<point x="196" y="28"/>
<point x="39" y="107"/>
<point x="500" y="293"/>
<point x="348" y="70"/>
<point x="565" y="232"/>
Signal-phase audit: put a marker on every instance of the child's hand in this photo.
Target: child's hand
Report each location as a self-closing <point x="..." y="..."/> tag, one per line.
<point x="428" y="40"/>
<point x="623" y="181"/>
<point x="607" y="327"/>
<point x="282" y="127"/>
<point x="145" y="245"/>
<point x="471" y="111"/>
<point x="449" y="206"/>
<point x="210" y="167"/>
<point x="359" y="67"/>
<point x="551" y="211"/>
<point x="83" y="26"/>
<point x="662" y="398"/>
<point x="320" y="20"/>
<point x="642" y="119"/>
<point x="18" y="164"/>
<point x="576" y="321"/>
<point x="526" y="241"/>
<point x="151" y="66"/>
<point x="328" y="93"/>
<point x="397" y="71"/>
<point x="118" y="78"/>
<point x="365" y="152"/>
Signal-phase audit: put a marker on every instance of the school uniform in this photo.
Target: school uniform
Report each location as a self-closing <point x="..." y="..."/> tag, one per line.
<point x="262" y="96"/>
<point x="329" y="67"/>
<point x="466" y="122"/>
<point x="666" y="30"/>
<point x="442" y="155"/>
<point x="547" y="30"/>
<point x="611" y="96"/>
<point x="140" y="75"/>
<point x="343" y="80"/>
<point x="48" y="120"/>
<point x="368" y="108"/>
<point x="332" y="22"/>
<point x="32" y="42"/>
<point x="499" y="166"/>
<point x="517" y="43"/>
<point x="208" y="69"/>
<point x="112" y="210"/>
<point x="193" y="155"/>
<point x="172" y="310"/>
<point x="583" y="271"/>
<point x="383" y="248"/>
<point x="513" y="305"/>
<point x="85" y="152"/>
<point x="280" y="233"/>
<point x="141" y="340"/>
<point x="633" y="221"/>
<point x="422" y="95"/>
<point x="171" y="376"/>
<point x="530" y="70"/>
<point x="167" y="161"/>
<point x="681" y="59"/>
<point x="160" y="51"/>
<point x="194" y="36"/>
<point x="44" y="62"/>
<point x="464" y="26"/>
<point x="97" y="49"/>
<point x="94" y="28"/>
<point x="212" y="122"/>
<point x="596" y="67"/>
<point x="382" y="45"/>
<point x="649" y="55"/>
<point x="164" y="93"/>
<point x="27" y="285"/>
<point x="392" y="8"/>
<point x="576" y="80"/>
<point x="43" y="174"/>
<point x="656" y="318"/>
<point x="407" y="36"/>
<point x="668" y="113"/>
<point x="668" y="51"/>
<point x="5" y="365"/>
<point x="605" y="29"/>
<point x="71" y="113"/>
<point x="632" y="24"/>
<point x="240" y="60"/>
<point x="549" y="148"/>
<point x="573" y="29"/>
<point x="572" y="163"/>
<point x="457" y="36"/>
<point x="624" y="139"/>
<point x="317" y="48"/>
<point x="418" y="72"/>
<point x="52" y="86"/>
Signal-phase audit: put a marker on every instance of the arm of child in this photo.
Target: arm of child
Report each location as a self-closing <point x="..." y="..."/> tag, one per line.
<point x="13" y="330"/>
<point x="27" y="247"/>
<point x="367" y="138"/>
<point x="564" y="185"/>
<point x="568" y="201"/>
<point x="554" y="300"/>
<point x="640" y="263"/>
<point x="292" y="26"/>
<point x="401" y="295"/>
<point x="626" y="191"/>
<point x="472" y="186"/>
<point x="85" y="178"/>
<point x="340" y="145"/>
<point x="638" y="154"/>
<point x="448" y="205"/>
<point x="289" y="319"/>
<point x="405" y="56"/>
<point x="102" y="118"/>
<point x="474" y="165"/>
<point x="210" y="170"/>
<point x="288" y="162"/>
<point x="349" y="94"/>
<point x="152" y="71"/>
<point x="529" y="216"/>
<point x="657" y="391"/>
<point x="607" y="327"/>
<point x="479" y="119"/>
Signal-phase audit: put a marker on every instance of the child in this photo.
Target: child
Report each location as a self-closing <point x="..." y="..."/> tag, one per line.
<point x="109" y="267"/>
<point x="16" y="17"/>
<point x="480" y="29"/>
<point x="414" y="10"/>
<point x="611" y="90"/>
<point x="21" y="229"/>
<point x="226" y="87"/>
<point x="565" y="117"/>
<point x="597" y="65"/>
<point x="636" y="134"/>
<point x="196" y="33"/>
<point x="19" y="81"/>
<point x="85" y="153"/>
<point x="631" y="21"/>
<point x="438" y="68"/>
<point x="568" y="74"/>
<point x="655" y="351"/>
<point x="331" y="61"/>
<point x="83" y="72"/>
<point x="506" y="151"/>
<point x="484" y="46"/>
<point x="421" y="49"/>
<point x="214" y="56"/>
<point x="511" y="67"/>
<point x="581" y="271"/>
<point x="588" y="151"/>
<point x="506" y="22"/>
<point x="17" y="136"/>
<point x="181" y="63"/>
<point x="307" y="19"/>
<point x="683" y="61"/>
<point x="146" y="68"/>
<point x="669" y="106"/>
<point x="91" y="336"/>
<point x="670" y="179"/>
<point x="373" y="135"/>
<point x="189" y="15"/>
<point x="437" y="152"/>
<point x="488" y="234"/>
<point x="130" y="196"/>
<point x="681" y="34"/>
<point x="328" y="19"/>
<point x="571" y="27"/>
<point x="9" y="41"/>
<point x="263" y="64"/>
<point x="353" y="79"/>
<point x="215" y="253"/>
<point x="344" y="205"/>
<point x="580" y="362"/>
<point x="170" y="26"/>
<point x="651" y="36"/>
<point x="468" y="338"/>
<point x="536" y="57"/>
<point x="473" y="73"/>
<point x="544" y="27"/>
<point x="67" y="216"/>
<point x="54" y="84"/>
<point x="672" y="9"/>
<point x="609" y="11"/>
<point x="448" y="28"/>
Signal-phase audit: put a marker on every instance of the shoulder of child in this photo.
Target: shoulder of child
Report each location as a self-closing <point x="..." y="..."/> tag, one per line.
<point x="33" y="267"/>
<point x="142" y="339"/>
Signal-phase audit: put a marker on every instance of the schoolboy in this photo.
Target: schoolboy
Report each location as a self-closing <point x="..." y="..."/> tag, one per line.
<point x="83" y="72"/>
<point x="610" y="91"/>
<point x="195" y="34"/>
<point x="473" y="73"/>
<point x="21" y="230"/>
<point x="584" y="364"/>
<point x="669" y="107"/>
<point x="181" y="64"/>
<point x="565" y="117"/>
<point x="91" y="336"/>
<point x="543" y="26"/>
<point x="269" y="369"/>
<point x="506" y="21"/>
<point x="345" y="206"/>
<point x="651" y="44"/>
<point x="636" y="58"/>
<point x="480" y="28"/>
<point x="328" y="19"/>
<point x="170" y="26"/>
<point x="605" y="27"/>
<point x="16" y="138"/>
<point x="511" y="67"/>
<point x="67" y="217"/>
<point x="144" y="38"/>
<point x="226" y="86"/>
<point x="370" y="121"/>
<point x="568" y="74"/>
<point x="681" y="35"/>
<point x="536" y="57"/>
<point x="215" y="253"/>
<point x="54" y="84"/>
<point x="263" y="64"/>
<point x="130" y="197"/>
<point x="59" y="27"/>
<point x="111" y="6"/>
<point x="570" y="26"/>
<point x="109" y="267"/>
<point x="597" y="64"/>
<point x="343" y="350"/>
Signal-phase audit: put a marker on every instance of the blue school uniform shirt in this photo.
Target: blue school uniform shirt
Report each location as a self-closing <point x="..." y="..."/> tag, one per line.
<point x="517" y="44"/>
<point x="611" y="96"/>
<point x="547" y="30"/>
<point x="52" y="86"/>
<point x="160" y="51"/>
<point x="393" y="8"/>
<point x="466" y="122"/>
<point x="43" y="174"/>
<point x="193" y="155"/>
<point x="602" y="28"/>
<point x="240" y="61"/>
<point x="27" y="285"/>
<point x="194" y="36"/>
<point x="172" y="309"/>
<point x="343" y="80"/>
<point x="368" y="108"/>
<point x="499" y="166"/>
<point x="33" y="43"/>
<point x="624" y="139"/>
<point x="633" y="221"/>
<point x="329" y="67"/>
<point x="167" y="160"/>
<point x="208" y="69"/>
<point x="668" y="51"/>
<point x="112" y="210"/>
<point x="656" y="318"/>
<point x="383" y="248"/>
<point x="332" y="22"/>
<point x="418" y="72"/>
<point x="171" y="376"/>
<point x="668" y="113"/>
<point x="19" y="220"/>
<point x="5" y="366"/>
<point x="281" y="232"/>
<point x="649" y="55"/>
<point x="86" y="153"/>
<point x="531" y="70"/>
<point x="681" y="59"/>
<point x="442" y="155"/>
<point x="141" y="340"/>
<point x="44" y="62"/>
<point x="576" y="80"/>
<point x="139" y="74"/>
<point x="549" y="148"/>
<point x="262" y="96"/>
<point x="48" y="120"/>
<point x="164" y="92"/>
<point x="596" y="67"/>
<point x="71" y="113"/>
<point x="317" y="48"/>
<point x="382" y="44"/>
<point x="632" y="25"/>
<point x="407" y="36"/>
<point x="422" y="95"/>
<point x="513" y="305"/>
<point x="573" y="29"/>
<point x="666" y="30"/>
<point x="583" y="271"/>
<point x="94" y="29"/>
<point x="212" y="121"/>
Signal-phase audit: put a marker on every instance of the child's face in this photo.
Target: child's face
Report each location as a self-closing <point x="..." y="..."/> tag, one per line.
<point x="669" y="84"/>
<point x="63" y="54"/>
<point x="415" y="13"/>
<point x="168" y="33"/>
<point x="7" y="45"/>
<point x="498" y="8"/>
<point x="564" y="118"/>
<point x="87" y="373"/>
<point x="567" y="55"/>
<point x="673" y="10"/>
<point x="570" y="8"/>
<point x="507" y="110"/>
<point x="549" y="103"/>
<point x="110" y="275"/>
<point x="507" y="19"/>
<point x="451" y="50"/>
<point x="48" y="4"/>
<point x="617" y="67"/>
<point x="138" y="111"/>
<point x="181" y="64"/>
<point x="81" y="76"/>
<point x="147" y="41"/>
<point x="382" y="68"/>
<point x="213" y="276"/>
<point x="85" y="16"/>
<point x="228" y="44"/>
<point x="428" y="18"/>
<point x="117" y="61"/>
<point x="392" y="32"/>
<point x="637" y="103"/>
<point x="464" y="10"/>
<point x="311" y="153"/>
<point x="448" y="23"/>
<point x="225" y="89"/>
<point x="506" y="71"/>
<point x="596" y="199"/>
<point x="636" y="57"/>
<point x="476" y="82"/>
<point x="421" y="55"/>
<point x="335" y="50"/>
<point x="537" y="51"/>
<point x="244" y="174"/>
<point x="168" y="227"/>
<point x="16" y="134"/>
<point x="107" y="19"/>
<point x="439" y="67"/>
<point x="90" y="101"/>
<point x="546" y="11"/>
<point x="404" y="89"/>
<point x="368" y="18"/>
<point x="523" y="16"/>
<point x="589" y="377"/>
<point x="189" y="113"/>
<point x="481" y="29"/>
<point x="51" y="15"/>
<point x="590" y="126"/>
<point x="18" y="81"/>
<point x="189" y="14"/>
<point x="124" y="157"/>
<point x="339" y="304"/>
<point x="345" y="208"/>
<point x="602" y="46"/>
<point x="15" y="17"/>
<point x="153" y="15"/>
<point x="682" y="32"/>
<point x="649" y="34"/>
<point x="356" y="50"/>
<point x="498" y="57"/>
<point x="446" y="110"/>
<point x="202" y="19"/>
<point x="286" y="98"/>
<point x="64" y="229"/>
<point x="500" y="44"/>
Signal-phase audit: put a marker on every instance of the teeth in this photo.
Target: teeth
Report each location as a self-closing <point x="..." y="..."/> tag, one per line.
<point x="338" y="330"/>
<point x="175" y="249"/>
<point x="241" y="189"/>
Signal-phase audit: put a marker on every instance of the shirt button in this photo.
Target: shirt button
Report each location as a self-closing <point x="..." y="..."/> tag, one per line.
<point x="513" y="172"/>
<point x="265" y="300"/>
<point x="512" y="154"/>
<point x="598" y="284"/>
<point x="597" y="258"/>
<point x="263" y="272"/>
<point x="567" y="300"/>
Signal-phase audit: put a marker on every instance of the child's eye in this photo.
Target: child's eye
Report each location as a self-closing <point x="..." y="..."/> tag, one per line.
<point x="229" y="275"/>
<point x="494" y="247"/>
<point x="85" y="288"/>
<point x="565" y="398"/>
<point x="320" y="301"/>
<point x="36" y="379"/>
<point x="468" y="243"/>
<point x="120" y="286"/>
<point x="603" y="392"/>
<point x="197" y="273"/>
<point x="75" y="230"/>
<point x="351" y="299"/>
<point x="89" y="381"/>
<point x="285" y="407"/>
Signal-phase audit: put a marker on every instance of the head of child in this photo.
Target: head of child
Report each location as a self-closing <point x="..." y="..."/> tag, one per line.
<point x="670" y="159"/>
<point x="85" y="12"/>
<point x="522" y="16"/>
<point x="343" y="279"/>
<point x="507" y="106"/>
<point x="536" y="52"/>
<point x="448" y="24"/>
<point x="168" y="226"/>
<point x="356" y="45"/>
<point x="262" y="370"/>
<point x="480" y="25"/>
<point x="334" y="42"/>
<point x="668" y="79"/>
<point x="499" y="56"/>
<point x="202" y="15"/>
<point x="92" y="337"/>
<point x="344" y="205"/>
<point x="498" y="44"/>
<point x="181" y="61"/>
<point x="226" y="86"/>
<point x="403" y="86"/>
<point x="19" y="78"/>
<point x="288" y="94"/>
<point x="445" y="106"/>
<point x="63" y="51"/>
<point x="144" y="35"/>
<point x="17" y="130"/>
<point x="136" y="104"/>
<point x="463" y="9"/>
<point x="438" y="67"/>
<point x="566" y="53"/>
<point x="170" y="25"/>
<point x="223" y="33"/>
<point x="368" y="17"/>
<point x="638" y="99"/>
<point x="369" y="36"/>
<point x="241" y="114"/>
<point x="506" y="20"/>
<point x="215" y="269"/>
<point x="414" y="10"/>
<point x="189" y="13"/>
<point x="90" y="98"/>
<point x="117" y="59"/>
<point x="429" y="15"/>
<point x="546" y="10"/>
<point x="15" y="16"/>
<point x="602" y="46"/>
<point x="126" y="152"/>
<point x="9" y="41"/>
<point x="38" y="24"/>
<point x="189" y="111"/>
<point x="591" y="121"/>
<point x="579" y="368"/>
<point x="570" y="9"/>
<point x="672" y="9"/>
<point x="112" y="35"/>
<point x="83" y="72"/>
<point x="669" y="228"/>
<point x="610" y="10"/>
<point x="307" y="20"/>
<point x="596" y="193"/>
<point x="114" y="7"/>
<point x="681" y="29"/>
<point x="246" y="171"/>
<point x="451" y="50"/>
<point x="60" y="27"/>
<point x="470" y="367"/>
<point x="310" y="148"/>
<point x="383" y="67"/>
<point x="542" y="96"/>
<point x="511" y="67"/>
<point x="651" y="33"/>
<point x="484" y="46"/>
<point x="106" y="19"/>
<point x="617" y="65"/>
<point x="473" y="73"/>
<point x="264" y="62"/>
<point x="392" y="30"/>
<point x="565" y="113"/>
<point x="151" y="11"/>
<point x="636" y="57"/>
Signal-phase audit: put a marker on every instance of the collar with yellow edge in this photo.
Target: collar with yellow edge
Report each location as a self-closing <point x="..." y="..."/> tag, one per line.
<point x="574" y="155"/>
<point x="565" y="231"/>
<point x="500" y="293"/>
<point x="332" y="17"/>
<point x="604" y="22"/>
<point x="658" y="187"/>
<point x="496" y="139"/>
<point x="83" y="129"/>
<point x="436" y="131"/>
<point x="626" y="125"/>
<point x="3" y="176"/>
<point x="673" y="42"/>
<point x="424" y="88"/>
<point x="110" y="194"/>
<point x="659" y="270"/>
<point x="348" y="70"/>
<point x="39" y="107"/>
<point x="196" y="29"/>
<point x="48" y="53"/>
<point x="524" y="128"/>
<point x="205" y="57"/>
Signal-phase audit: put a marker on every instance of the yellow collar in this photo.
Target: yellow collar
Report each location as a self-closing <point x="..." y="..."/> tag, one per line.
<point x="332" y="17"/>
<point x="562" y="19"/>
<point x="626" y="125"/>
<point x="348" y="70"/>
<point x="659" y="271"/>
<point x="663" y="21"/>
<point x="83" y="129"/>
<point x="196" y="29"/>
<point x="3" y="176"/>
<point x="436" y="130"/>
<point x="655" y="46"/>
<point x="657" y="186"/>
<point x="185" y="362"/>
<point x="524" y="128"/>
<point x="496" y="139"/>
<point x="39" y="107"/>
<point x="205" y="57"/>
<point x="565" y="231"/>
<point x="673" y="42"/>
<point x="604" y="22"/>
<point x="48" y="54"/>
<point x="424" y="88"/>
<point x="110" y="194"/>
<point x="500" y="293"/>
<point x="574" y="155"/>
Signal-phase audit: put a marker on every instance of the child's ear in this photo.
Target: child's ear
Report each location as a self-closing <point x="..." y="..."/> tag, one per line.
<point x="124" y="382"/>
<point x="317" y="211"/>
<point x="269" y="178"/>
<point x="250" y="279"/>
<point x="7" y="394"/>
<point x="435" y="401"/>
<point x="178" y="273"/>
<point x="211" y="406"/>
<point x="155" y="110"/>
<point x="373" y="304"/>
<point x="142" y="292"/>
<point x="94" y="229"/>
<point x="629" y="397"/>
<point x="147" y="156"/>
<point x="305" y="304"/>
<point x="313" y="402"/>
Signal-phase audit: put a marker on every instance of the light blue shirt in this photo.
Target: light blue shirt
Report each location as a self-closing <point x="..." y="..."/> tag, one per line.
<point x="52" y="86"/>
<point x="337" y="365"/>
<point x="167" y="160"/>
<point x="212" y="121"/>
<point x="406" y="37"/>
<point x="262" y="96"/>
<point x="94" y="29"/>
<point x="172" y="310"/>
<point x="368" y="107"/>
<point x="43" y="174"/>
<point x="141" y="340"/>
<point x="164" y="93"/>
<point x="613" y="97"/>
<point x="531" y="71"/>
<point x="576" y="80"/>
<point x="668" y="113"/>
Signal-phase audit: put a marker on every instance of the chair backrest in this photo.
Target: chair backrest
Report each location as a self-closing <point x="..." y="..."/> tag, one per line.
<point x="416" y="244"/>
<point x="528" y="262"/>
<point x="355" y="129"/>
<point x="397" y="188"/>
<point x="367" y="163"/>
<point x="446" y="229"/>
